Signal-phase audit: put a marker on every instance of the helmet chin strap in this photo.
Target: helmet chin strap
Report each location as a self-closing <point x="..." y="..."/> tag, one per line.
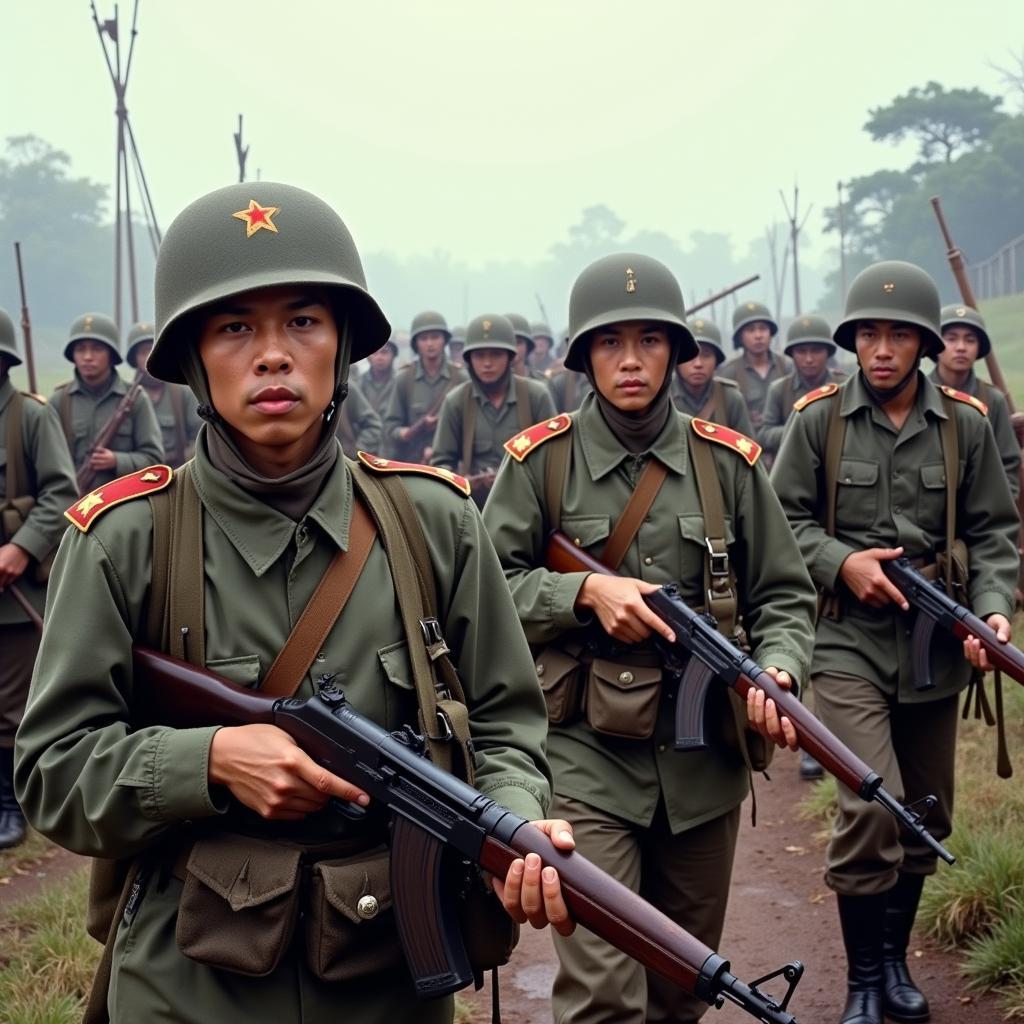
<point x="882" y="395"/>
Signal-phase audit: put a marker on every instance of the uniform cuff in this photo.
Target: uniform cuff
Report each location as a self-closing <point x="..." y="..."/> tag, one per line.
<point x="828" y="560"/>
<point x="180" y="786"/>
<point x="29" y="539"/>
<point x="566" y="590"/>
<point x="519" y="799"/>
<point x="785" y="662"/>
<point x="991" y="602"/>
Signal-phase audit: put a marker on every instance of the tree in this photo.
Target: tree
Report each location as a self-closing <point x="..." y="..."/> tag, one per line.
<point x="943" y="123"/>
<point x="869" y="201"/>
<point x="1012" y="73"/>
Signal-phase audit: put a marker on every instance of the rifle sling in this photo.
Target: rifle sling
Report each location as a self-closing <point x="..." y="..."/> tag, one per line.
<point x="17" y="481"/>
<point x="633" y="515"/>
<point x="524" y="413"/>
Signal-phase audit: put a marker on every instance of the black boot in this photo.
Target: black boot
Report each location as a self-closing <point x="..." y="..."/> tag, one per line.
<point x="12" y="821"/>
<point x="861" y="919"/>
<point x="903" y="999"/>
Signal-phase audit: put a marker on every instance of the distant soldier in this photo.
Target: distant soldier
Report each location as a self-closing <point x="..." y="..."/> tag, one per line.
<point x="966" y="341"/>
<point x="756" y="366"/>
<point x="176" y="408"/>
<point x="360" y="428"/>
<point x="420" y="388"/>
<point x="86" y="403"/>
<point x="378" y="381"/>
<point x="569" y="388"/>
<point x="543" y="358"/>
<point x="456" y="343"/>
<point x="809" y="344"/>
<point x="37" y="482"/>
<point x="524" y="348"/>
<point x="482" y="413"/>
<point x="698" y="392"/>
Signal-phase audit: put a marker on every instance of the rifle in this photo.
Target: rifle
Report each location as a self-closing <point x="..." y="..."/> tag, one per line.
<point x="712" y="299"/>
<point x="84" y="473"/>
<point x="706" y="655"/>
<point x="936" y="608"/>
<point x="436" y="821"/>
<point x="26" y="606"/>
<point x="418" y="425"/>
<point x="26" y="325"/>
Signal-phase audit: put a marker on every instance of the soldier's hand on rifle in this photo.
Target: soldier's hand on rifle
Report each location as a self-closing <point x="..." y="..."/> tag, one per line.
<point x="618" y="603"/>
<point x="863" y="575"/>
<point x="430" y="421"/>
<point x="13" y="562"/>
<point x="102" y="458"/>
<point x="764" y="716"/>
<point x="533" y="893"/>
<point x="264" y="769"/>
<point x="975" y="653"/>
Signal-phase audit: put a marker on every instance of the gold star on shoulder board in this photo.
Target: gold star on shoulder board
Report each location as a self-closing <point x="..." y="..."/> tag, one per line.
<point x="89" y="502"/>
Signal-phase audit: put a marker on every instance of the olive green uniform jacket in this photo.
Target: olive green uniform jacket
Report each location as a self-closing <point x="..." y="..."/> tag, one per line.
<point x="359" y="426"/>
<point x="779" y="404"/>
<point x="409" y="402"/>
<point x="728" y="407"/>
<point x="167" y="416"/>
<point x="96" y="785"/>
<point x="378" y="393"/>
<point x="493" y="427"/>
<point x="999" y="418"/>
<point x="892" y="492"/>
<point x="137" y="442"/>
<point x="753" y="387"/>
<point x="628" y="778"/>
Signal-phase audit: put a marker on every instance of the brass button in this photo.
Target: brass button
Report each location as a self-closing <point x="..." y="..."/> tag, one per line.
<point x="648" y="560"/>
<point x="662" y="748"/>
<point x="625" y="678"/>
<point x="367" y="907"/>
<point x="576" y="541"/>
<point x="540" y="670"/>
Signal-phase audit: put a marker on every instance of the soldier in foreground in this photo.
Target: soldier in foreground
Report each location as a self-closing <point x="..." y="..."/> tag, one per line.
<point x="87" y="402"/>
<point x="620" y="478"/>
<point x="756" y="366"/>
<point x="214" y="819"/>
<point x="176" y="408"/>
<point x="37" y="482"/>
<point x="482" y="413"/>
<point x="378" y="379"/>
<point x="862" y="477"/>
<point x="698" y="392"/>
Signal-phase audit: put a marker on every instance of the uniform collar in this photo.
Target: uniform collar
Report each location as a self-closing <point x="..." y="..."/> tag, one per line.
<point x="970" y="385"/>
<point x="421" y="373"/>
<point x="6" y="392"/>
<point x="603" y="451"/>
<point x="855" y="396"/>
<point x="261" y="534"/>
<point x="481" y="396"/>
<point x="117" y="386"/>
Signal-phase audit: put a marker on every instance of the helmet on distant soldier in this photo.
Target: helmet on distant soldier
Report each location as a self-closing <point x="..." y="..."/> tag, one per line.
<point x="539" y="329"/>
<point x="521" y="326"/>
<point x="809" y="330"/>
<point x="8" y="341"/>
<point x="94" y="327"/>
<point x="490" y="331"/>
<point x="750" y="313"/>
<point x="706" y="332"/>
<point x="893" y="290"/>
<point x="138" y="335"/>
<point x="430" y="320"/>
<point x="626" y="286"/>
<point x="258" y="235"/>
<point x="959" y="315"/>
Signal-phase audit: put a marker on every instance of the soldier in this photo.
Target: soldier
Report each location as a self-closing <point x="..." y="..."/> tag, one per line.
<point x="359" y="428"/>
<point x="378" y="380"/>
<point x="631" y="479"/>
<point x="809" y="344"/>
<point x="482" y="413"/>
<point x="456" y="344"/>
<point x="756" y="366"/>
<point x="420" y="387"/>
<point x="543" y="358"/>
<point x="250" y="315"/>
<point x="862" y="477"/>
<point x="524" y="348"/>
<point x="176" y="408"/>
<point x="568" y="389"/>
<point x="698" y="392"/>
<point x="37" y="481"/>
<point x="966" y="341"/>
<point x="86" y="404"/>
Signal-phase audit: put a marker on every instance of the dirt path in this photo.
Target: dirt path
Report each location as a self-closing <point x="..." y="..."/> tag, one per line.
<point x="779" y="909"/>
<point x="21" y="880"/>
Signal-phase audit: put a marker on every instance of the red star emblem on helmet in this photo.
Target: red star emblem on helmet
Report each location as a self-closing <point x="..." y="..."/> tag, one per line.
<point x="257" y="217"/>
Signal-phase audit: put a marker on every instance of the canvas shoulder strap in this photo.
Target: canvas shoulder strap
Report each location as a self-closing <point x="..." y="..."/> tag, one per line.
<point x="834" y="437"/>
<point x="639" y="504"/>
<point x="468" y="430"/>
<point x="556" y="471"/>
<point x="524" y="407"/>
<point x="65" y="413"/>
<point x="950" y="438"/>
<point x="17" y="484"/>
<point x="788" y="389"/>
<point x="714" y="407"/>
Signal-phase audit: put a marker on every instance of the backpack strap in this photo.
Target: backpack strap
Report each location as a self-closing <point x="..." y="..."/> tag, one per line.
<point x="834" y="437"/>
<point x="468" y="429"/>
<point x="523" y="405"/>
<point x="556" y="472"/>
<point x="632" y="516"/>
<point x="65" y="413"/>
<point x="788" y="388"/>
<point x="17" y="480"/>
<point x="950" y="438"/>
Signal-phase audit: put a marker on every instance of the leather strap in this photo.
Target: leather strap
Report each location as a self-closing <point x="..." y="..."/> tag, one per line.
<point x="951" y="461"/>
<point x="17" y="484"/>
<point x="328" y="600"/>
<point x="524" y="407"/>
<point x="714" y="407"/>
<point x="468" y="429"/>
<point x="639" y="504"/>
<point x="834" y="439"/>
<point x="555" y="472"/>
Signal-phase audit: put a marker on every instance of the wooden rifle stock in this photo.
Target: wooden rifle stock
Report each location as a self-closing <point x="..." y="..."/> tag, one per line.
<point x="85" y="474"/>
<point x="26" y="324"/>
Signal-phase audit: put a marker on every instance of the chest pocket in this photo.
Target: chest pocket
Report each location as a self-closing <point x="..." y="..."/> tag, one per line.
<point x="693" y="549"/>
<point x="586" y="531"/>
<point x="399" y="697"/>
<point x="931" y="496"/>
<point x="857" y="493"/>
<point x="244" y="669"/>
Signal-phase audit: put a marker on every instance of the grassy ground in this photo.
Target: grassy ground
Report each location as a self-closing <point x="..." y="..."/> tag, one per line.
<point x="1005" y="321"/>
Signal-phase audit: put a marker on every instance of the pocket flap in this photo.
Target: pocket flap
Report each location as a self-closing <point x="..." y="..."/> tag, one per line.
<point x="244" y="669"/>
<point x="347" y="881"/>
<point x="933" y="475"/>
<point x="397" y="664"/>
<point x="858" y="473"/>
<point x="585" y="531"/>
<point x="624" y="676"/>
<point x="553" y="665"/>
<point x="692" y="528"/>
<point x="243" y="871"/>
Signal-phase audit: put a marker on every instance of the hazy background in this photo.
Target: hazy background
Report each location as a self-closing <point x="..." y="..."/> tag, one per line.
<point x="463" y="140"/>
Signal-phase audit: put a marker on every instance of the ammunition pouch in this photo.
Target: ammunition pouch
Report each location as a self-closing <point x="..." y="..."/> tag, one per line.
<point x="622" y="697"/>
<point x="560" y="674"/>
<point x="13" y="514"/>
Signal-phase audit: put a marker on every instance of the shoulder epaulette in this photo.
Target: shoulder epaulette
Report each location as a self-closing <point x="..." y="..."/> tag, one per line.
<point x="526" y="440"/>
<point x="825" y="391"/>
<point x="38" y="398"/>
<point x="379" y="464"/>
<point x="962" y="396"/>
<point x="139" y="484"/>
<point x="750" y="450"/>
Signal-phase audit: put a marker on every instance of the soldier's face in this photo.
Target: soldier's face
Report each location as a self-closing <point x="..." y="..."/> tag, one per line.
<point x="961" y="349"/>
<point x="698" y="371"/>
<point x="142" y="351"/>
<point x="92" y="360"/>
<point x="756" y="337"/>
<point x="629" y="361"/>
<point x="522" y="351"/>
<point x="541" y="346"/>
<point x="382" y="359"/>
<point x="810" y="358"/>
<point x="269" y="357"/>
<point x="887" y="350"/>
<point x="430" y="345"/>
<point x="489" y="364"/>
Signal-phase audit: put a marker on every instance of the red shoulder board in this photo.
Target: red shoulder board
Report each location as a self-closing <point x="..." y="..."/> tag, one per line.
<point x="89" y="508"/>
<point x="962" y="396"/>
<point x="750" y="450"/>
<point x="812" y="396"/>
<point x="532" y="437"/>
<point x="381" y="465"/>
